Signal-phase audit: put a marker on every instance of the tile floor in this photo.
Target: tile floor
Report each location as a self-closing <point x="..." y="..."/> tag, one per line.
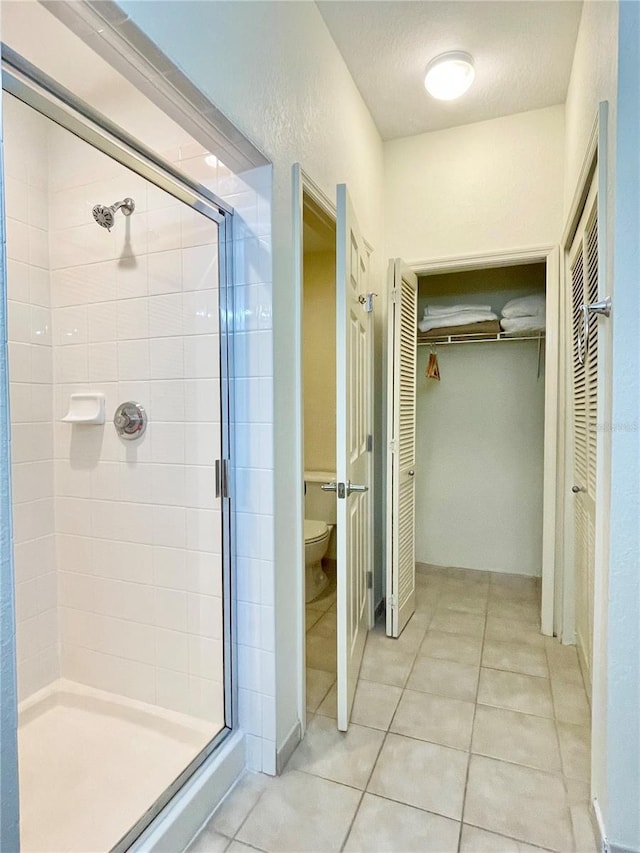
<point x="469" y="733"/>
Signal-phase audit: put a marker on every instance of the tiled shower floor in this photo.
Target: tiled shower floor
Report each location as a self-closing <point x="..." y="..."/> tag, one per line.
<point x="469" y="733"/>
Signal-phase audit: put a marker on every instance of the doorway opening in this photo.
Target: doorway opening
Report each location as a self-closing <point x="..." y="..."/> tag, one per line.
<point x="319" y="437"/>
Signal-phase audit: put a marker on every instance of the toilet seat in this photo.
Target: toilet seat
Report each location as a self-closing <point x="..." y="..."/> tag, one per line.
<point x="314" y="530"/>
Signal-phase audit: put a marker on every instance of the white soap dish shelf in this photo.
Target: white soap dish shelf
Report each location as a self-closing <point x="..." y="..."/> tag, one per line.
<point x="86" y="408"/>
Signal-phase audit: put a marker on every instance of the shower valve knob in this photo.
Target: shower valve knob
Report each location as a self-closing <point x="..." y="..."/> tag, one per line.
<point x="130" y="420"/>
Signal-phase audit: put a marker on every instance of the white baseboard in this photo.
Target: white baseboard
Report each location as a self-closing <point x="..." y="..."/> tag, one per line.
<point x="286" y="750"/>
<point x="181" y="820"/>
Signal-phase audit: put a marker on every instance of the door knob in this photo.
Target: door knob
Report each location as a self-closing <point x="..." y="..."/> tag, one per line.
<point x="351" y="487"/>
<point x="411" y="473"/>
<point x="576" y="489"/>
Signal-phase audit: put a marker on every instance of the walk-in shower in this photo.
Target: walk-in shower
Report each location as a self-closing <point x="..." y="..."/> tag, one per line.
<point x="121" y="546"/>
<point x="105" y="215"/>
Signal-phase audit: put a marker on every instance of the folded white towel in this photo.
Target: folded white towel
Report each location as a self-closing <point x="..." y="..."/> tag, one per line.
<point x="462" y="319"/>
<point x="445" y="310"/>
<point x="521" y="325"/>
<point x="525" y="306"/>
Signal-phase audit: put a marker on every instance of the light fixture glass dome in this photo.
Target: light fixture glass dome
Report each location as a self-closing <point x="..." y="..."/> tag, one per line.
<point x="449" y="75"/>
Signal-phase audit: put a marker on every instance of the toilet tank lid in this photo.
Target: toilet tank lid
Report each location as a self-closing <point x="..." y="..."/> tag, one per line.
<point x="314" y="529"/>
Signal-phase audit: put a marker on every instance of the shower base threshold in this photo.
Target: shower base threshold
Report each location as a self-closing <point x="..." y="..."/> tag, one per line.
<point x="92" y="763"/>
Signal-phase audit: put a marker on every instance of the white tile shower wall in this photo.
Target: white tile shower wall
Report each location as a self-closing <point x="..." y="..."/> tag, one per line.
<point x="31" y="396"/>
<point x="138" y="526"/>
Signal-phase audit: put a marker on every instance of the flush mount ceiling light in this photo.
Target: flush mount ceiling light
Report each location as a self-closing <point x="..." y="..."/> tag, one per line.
<point x="449" y="75"/>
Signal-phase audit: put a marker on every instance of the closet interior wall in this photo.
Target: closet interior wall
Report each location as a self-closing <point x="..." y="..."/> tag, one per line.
<point x="480" y="435"/>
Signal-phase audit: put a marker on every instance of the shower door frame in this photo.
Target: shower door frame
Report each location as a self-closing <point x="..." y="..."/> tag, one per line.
<point x="40" y="92"/>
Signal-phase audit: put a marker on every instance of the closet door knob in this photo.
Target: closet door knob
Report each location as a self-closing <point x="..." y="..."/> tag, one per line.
<point x="576" y="489"/>
<point x="411" y="473"/>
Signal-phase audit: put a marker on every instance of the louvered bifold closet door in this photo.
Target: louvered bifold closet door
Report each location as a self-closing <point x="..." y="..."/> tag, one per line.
<point x="584" y="284"/>
<point x="407" y="448"/>
<point x="401" y="591"/>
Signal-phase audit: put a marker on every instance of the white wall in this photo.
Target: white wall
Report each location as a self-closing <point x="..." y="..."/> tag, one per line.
<point x="273" y="69"/>
<point x="483" y="187"/>
<point x="31" y="374"/>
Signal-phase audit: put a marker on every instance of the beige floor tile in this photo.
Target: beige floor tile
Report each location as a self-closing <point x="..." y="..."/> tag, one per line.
<point x="323" y="603"/>
<point x="454" y="647"/>
<point x="434" y="718"/>
<point x="570" y="703"/>
<point x="321" y="652"/>
<point x="208" y="841"/>
<point x="382" y="825"/>
<point x="468" y="602"/>
<point x="474" y="840"/>
<point x="520" y="738"/>
<point x="312" y="617"/>
<point x="230" y="814"/>
<point x="563" y="662"/>
<point x="386" y="663"/>
<point x="519" y="802"/>
<point x="423" y="616"/>
<point x="515" y="581"/>
<point x="522" y="611"/>
<point x="329" y="705"/>
<point x="516" y="692"/>
<point x="421" y="774"/>
<point x="503" y="592"/>
<point x="468" y="577"/>
<point x="578" y="792"/>
<point x="515" y="657"/>
<point x="409" y="641"/>
<point x="575" y="748"/>
<point x="513" y="631"/>
<point x="326" y="626"/>
<point x="301" y="813"/>
<point x="444" y="678"/>
<point x="319" y="683"/>
<point x="453" y="622"/>
<point x="345" y="757"/>
<point x="239" y="847"/>
<point x="583" y="829"/>
<point x="374" y="704"/>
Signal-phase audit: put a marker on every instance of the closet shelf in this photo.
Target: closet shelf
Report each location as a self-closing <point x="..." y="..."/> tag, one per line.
<point x="477" y="338"/>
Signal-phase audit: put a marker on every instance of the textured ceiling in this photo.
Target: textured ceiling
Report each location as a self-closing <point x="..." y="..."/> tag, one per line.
<point x="522" y="49"/>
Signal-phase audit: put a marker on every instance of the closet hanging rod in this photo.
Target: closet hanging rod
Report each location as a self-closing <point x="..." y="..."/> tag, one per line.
<point x="445" y="340"/>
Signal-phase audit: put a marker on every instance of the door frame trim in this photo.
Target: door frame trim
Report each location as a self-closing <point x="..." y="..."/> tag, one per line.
<point x="550" y="256"/>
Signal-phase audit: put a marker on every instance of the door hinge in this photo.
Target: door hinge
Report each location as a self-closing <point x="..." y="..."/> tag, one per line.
<point x="369" y="443"/>
<point x="369" y="580"/>
<point x="393" y="445"/>
<point x="221" y="478"/>
<point x="392" y="601"/>
<point x="394" y="294"/>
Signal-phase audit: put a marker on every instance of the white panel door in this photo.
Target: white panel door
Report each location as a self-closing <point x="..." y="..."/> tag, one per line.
<point x="583" y="267"/>
<point x="354" y="374"/>
<point x="401" y="453"/>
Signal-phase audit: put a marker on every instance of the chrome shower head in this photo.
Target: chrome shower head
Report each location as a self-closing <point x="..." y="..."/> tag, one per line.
<point x="105" y="215"/>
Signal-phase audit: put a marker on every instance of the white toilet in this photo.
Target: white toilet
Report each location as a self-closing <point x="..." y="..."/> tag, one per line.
<point x="316" y="543"/>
